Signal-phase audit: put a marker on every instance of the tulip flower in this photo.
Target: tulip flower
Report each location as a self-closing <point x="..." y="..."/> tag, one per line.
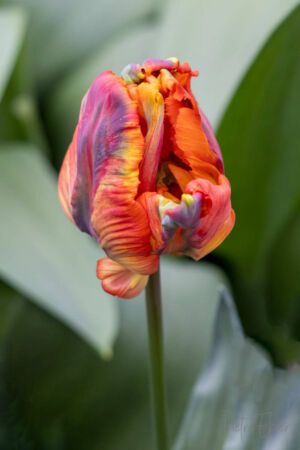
<point x="144" y="174"/>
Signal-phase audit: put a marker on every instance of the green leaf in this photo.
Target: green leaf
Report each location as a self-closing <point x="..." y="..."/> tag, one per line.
<point x="65" y="396"/>
<point x="240" y="402"/>
<point x="9" y="309"/>
<point x="283" y="276"/>
<point x="19" y="117"/>
<point x="44" y="256"/>
<point x="259" y="136"/>
<point x="12" y="31"/>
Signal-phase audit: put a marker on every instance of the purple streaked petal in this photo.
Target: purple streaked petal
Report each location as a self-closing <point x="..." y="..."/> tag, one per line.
<point x="212" y="141"/>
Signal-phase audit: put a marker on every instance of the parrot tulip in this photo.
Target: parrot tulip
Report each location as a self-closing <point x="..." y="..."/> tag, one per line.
<point x="144" y="173"/>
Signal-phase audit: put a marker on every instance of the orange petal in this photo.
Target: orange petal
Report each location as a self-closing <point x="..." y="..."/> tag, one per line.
<point x="119" y="281"/>
<point x="196" y="225"/>
<point x="219" y="220"/>
<point x="67" y="177"/>
<point x="151" y="103"/>
<point x="117" y="143"/>
<point x="188" y="130"/>
<point x="183" y="177"/>
<point x="191" y="140"/>
<point x="217" y="239"/>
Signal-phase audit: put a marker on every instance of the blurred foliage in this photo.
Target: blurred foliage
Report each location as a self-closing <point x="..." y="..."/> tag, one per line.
<point x="45" y="259"/>
<point x="55" y="390"/>
<point x="240" y="402"/>
<point x="260" y="137"/>
<point x="12" y="25"/>
<point x="283" y="275"/>
<point x="63" y="395"/>
<point x="13" y="78"/>
<point x="62" y="33"/>
<point x="19" y="116"/>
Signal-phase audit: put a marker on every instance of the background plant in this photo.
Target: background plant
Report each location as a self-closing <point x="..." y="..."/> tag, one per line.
<point x="57" y="327"/>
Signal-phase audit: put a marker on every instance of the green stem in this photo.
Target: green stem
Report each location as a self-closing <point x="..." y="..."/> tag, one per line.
<point x="154" y="317"/>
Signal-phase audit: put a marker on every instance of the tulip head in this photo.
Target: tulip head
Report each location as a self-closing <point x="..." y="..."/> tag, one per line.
<point x="144" y="173"/>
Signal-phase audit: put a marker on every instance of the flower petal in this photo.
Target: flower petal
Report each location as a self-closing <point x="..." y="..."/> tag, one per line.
<point x="151" y="109"/>
<point x="172" y="223"/>
<point x="188" y="129"/>
<point x="155" y="65"/>
<point x="82" y="167"/>
<point x="218" y="220"/>
<point x="100" y="175"/>
<point x="119" y="281"/>
<point x="192" y="141"/>
<point x="196" y="225"/>
<point x="67" y="178"/>
<point x="119" y="221"/>
<point x="212" y="141"/>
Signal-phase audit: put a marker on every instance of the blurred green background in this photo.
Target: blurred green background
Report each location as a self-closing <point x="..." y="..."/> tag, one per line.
<point x="73" y="361"/>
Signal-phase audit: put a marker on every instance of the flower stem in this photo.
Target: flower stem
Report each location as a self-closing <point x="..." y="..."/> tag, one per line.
<point x="155" y="335"/>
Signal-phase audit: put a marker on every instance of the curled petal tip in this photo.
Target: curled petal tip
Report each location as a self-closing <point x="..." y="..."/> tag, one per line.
<point x="133" y="73"/>
<point x="174" y="60"/>
<point x="119" y="281"/>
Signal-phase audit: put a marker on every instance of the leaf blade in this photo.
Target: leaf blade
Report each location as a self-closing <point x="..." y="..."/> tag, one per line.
<point x="12" y="30"/>
<point x="240" y="401"/>
<point x="42" y="254"/>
